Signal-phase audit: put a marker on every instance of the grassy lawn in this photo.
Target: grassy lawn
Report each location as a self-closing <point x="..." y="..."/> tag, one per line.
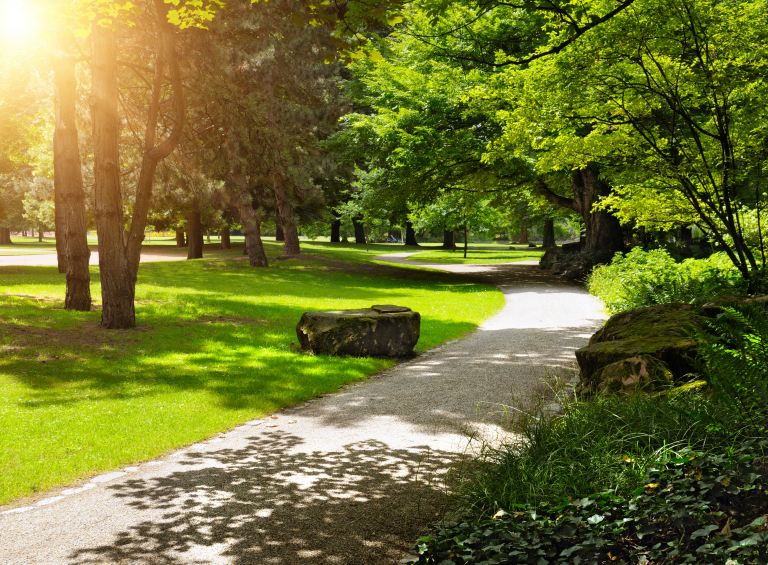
<point x="213" y="349"/>
<point x="479" y="256"/>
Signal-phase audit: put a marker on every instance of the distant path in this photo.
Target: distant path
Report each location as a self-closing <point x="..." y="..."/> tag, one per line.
<point x="350" y="479"/>
<point x="49" y="259"/>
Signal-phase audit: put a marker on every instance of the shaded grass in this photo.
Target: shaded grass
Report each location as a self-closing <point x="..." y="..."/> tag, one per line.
<point x="213" y="349"/>
<point x="597" y="445"/>
<point x="478" y="256"/>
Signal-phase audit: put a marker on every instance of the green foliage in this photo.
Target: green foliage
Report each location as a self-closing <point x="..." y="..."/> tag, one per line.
<point x="605" y="443"/>
<point x="479" y="256"/>
<point x="694" y="508"/>
<point x="735" y="355"/>
<point x="643" y="278"/>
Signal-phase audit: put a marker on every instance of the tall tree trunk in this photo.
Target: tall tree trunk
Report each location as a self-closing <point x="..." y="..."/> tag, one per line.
<point x="453" y="240"/>
<point x="523" y="233"/>
<point x="359" y="229"/>
<point x="119" y="263"/>
<point x="254" y="247"/>
<point x="285" y="213"/>
<point x="194" y="235"/>
<point x="225" y="241"/>
<point x="5" y="236"/>
<point x="180" y="241"/>
<point x="279" y="233"/>
<point x="245" y="246"/>
<point x="447" y="238"/>
<point x="466" y="240"/>
<point x="117" y="287"/>
<point x="604" y="233"/>
<point x="549" y="234"/>
<point x="336" y="231"/>
<point x="40" y="233"/>
<point x="71" y="228"/>
<point x="410" y="235"/>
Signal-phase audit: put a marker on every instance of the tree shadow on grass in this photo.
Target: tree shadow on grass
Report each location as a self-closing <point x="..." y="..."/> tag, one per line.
<point x="275" y="499"/>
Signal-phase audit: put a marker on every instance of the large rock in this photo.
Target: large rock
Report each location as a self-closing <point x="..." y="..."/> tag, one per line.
<point x="378" y="331"/>
<point x="660" y="332"/>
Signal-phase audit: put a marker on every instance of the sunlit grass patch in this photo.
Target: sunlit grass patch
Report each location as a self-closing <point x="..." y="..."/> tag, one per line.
<point x="479" y="256"/>
<point x="213" y="348"/>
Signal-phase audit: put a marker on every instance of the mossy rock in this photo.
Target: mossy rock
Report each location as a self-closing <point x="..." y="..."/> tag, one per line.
<point x="378" y="331"/>
<point x="634" y="375"/>
<point x="662" y="332"/>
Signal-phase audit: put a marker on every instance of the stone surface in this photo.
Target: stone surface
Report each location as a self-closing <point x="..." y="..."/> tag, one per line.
<point x="629" y="376"/>
<point x="663" y="332"/>
<point x="379" y="331"/>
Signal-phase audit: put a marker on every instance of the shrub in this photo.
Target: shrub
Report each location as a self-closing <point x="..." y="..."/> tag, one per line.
<point x="643" y="278"/>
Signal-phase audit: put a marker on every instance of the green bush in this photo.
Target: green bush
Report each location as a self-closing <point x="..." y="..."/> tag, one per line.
<point x="643" y="278"/>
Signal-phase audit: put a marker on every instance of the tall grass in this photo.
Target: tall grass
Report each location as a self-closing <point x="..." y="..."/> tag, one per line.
<point x="605" y="443"/>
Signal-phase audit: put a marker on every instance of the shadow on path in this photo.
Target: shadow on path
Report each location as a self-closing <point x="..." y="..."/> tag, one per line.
<point x="268" y="502"/>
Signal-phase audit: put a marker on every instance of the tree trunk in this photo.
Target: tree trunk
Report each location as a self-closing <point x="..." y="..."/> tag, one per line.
<point x="603" y="230"/>
<point x="117" y="287"/>
<point x="285" y="212"/>
<point x="118" y="263"/>
<point x="466" y="241"/>
<point x="40" y="231"/>
<point x="279" y="234"/>
<point x="71" y="228"/>
<point x="345" y="239"/>
<point x="245" y="246"/>
<point x="447" y="239"/>
<point x="359" y="229"/>
<point x="180" y="240"/>
<point x="336" y="231"/>
<point x="194" y="235"/>
<point x="225" y="241"/>
<point x="453" y="240"/>
<point x="523" y="233"/>
<point x="410" y="235"/>
<point x="5" y="236"/>
<point x="254" y="247"/>
<point x="549" y="234"/>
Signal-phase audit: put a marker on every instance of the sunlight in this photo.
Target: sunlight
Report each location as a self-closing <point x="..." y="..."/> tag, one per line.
<point x="17" y="21"/>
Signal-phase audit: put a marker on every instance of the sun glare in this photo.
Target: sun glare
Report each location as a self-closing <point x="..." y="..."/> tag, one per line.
<point x="17" y="21"/>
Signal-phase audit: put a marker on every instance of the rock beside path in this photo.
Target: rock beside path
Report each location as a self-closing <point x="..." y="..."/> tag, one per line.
<point x="648" y="347"/>
<point x="378" y="331"/>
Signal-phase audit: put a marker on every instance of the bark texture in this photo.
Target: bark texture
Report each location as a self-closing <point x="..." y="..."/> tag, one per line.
<point x="180" y="240"/>
<point x="447" y="239"/>
<point x="603" y="230"/>
<point x="523" y="234"/>
<point x="357" y="223"/>
<point x="285" y="211"/>
<point x="549" y="234"/>
<point x="5" y="236"/>
<point x="336" y="231"/>
<point x="410" y="234"/>
<point x="225" y="241"/>
<point x="117" y="287"/>
<point x="194" y="235"/>
<point x="71" y="228"/>
<point x="252" y="231"/>
<point x="119" y="262"/>
<point x="279" y="233"/>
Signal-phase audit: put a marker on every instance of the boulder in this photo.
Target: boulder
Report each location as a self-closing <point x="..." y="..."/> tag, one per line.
<point x="629" y="376"/>
<point x="663" y="332"/>
<point x="378" y="331"/>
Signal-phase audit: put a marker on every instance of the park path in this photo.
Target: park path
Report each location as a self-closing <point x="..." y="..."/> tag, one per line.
<point x="350" y="478"/>
<point x="49" y="259"/>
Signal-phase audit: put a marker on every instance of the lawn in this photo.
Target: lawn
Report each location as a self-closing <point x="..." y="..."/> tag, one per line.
<point x="213" y="349"/>
<point x="479" y="256"/>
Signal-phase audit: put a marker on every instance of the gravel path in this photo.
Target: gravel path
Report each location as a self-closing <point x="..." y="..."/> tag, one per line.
<point x="49" y="259"/>
<point x="351" y="478"/>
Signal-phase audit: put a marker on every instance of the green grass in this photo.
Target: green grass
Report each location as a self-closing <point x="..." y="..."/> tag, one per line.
<point x="479" y="256"/>
<point x="212" y="350"/>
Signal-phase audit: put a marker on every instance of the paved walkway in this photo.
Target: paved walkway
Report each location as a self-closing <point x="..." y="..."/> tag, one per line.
<point x="49" y="259"/>
<point x="352" y="478"/>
